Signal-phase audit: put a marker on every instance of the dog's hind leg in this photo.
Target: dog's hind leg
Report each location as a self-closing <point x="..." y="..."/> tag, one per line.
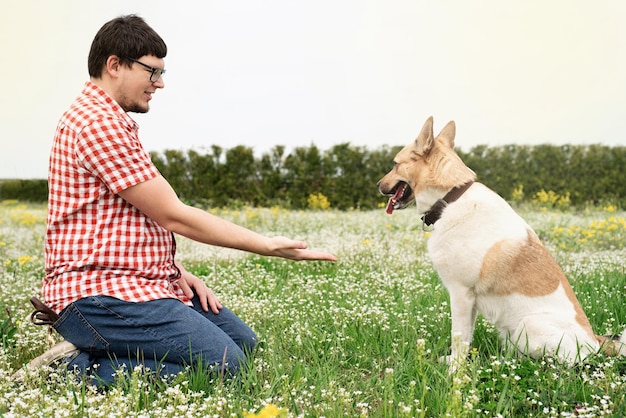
<point x="540" y="336"/>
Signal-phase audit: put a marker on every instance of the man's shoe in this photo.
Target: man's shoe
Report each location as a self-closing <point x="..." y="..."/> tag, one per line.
<point x="61" y="351"/>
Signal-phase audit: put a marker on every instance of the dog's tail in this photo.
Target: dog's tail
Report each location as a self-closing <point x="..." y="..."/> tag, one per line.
<point x="613" y="345"/>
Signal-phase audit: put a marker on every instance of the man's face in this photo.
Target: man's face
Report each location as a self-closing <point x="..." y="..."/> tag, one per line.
<point x="135" y="89"/>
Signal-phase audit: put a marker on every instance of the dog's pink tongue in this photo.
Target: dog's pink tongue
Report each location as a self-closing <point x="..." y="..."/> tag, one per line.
<point x="390" y="204"/>
<point x="394" y="199"/>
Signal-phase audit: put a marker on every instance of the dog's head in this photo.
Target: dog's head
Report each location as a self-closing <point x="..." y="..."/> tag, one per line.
<point x="425" y="170"/>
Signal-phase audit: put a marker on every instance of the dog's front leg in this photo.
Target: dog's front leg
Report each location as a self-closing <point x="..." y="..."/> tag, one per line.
<point x="463" y="309"/>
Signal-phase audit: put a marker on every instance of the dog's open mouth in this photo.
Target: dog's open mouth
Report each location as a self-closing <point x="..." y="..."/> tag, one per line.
<point x="400" y="197"/>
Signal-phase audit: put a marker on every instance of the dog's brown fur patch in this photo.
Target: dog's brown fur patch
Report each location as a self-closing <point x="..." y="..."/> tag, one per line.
<point x="528" y="269"/>
<point x="514" y="267"/>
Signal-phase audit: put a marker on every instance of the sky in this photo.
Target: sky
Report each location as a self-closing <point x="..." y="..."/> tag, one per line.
<point x="262" y="73"/>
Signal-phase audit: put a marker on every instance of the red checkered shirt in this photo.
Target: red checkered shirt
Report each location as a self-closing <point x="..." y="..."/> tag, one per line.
<point x="96" y="242"/>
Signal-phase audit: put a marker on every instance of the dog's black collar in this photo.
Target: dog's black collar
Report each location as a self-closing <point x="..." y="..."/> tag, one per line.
<point x="433" y="214"/>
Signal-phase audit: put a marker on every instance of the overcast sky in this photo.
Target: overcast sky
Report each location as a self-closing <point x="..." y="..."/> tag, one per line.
<point x="263" y="73"/>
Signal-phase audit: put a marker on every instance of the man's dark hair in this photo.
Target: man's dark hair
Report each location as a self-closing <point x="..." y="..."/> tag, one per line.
<point x="125" y="37"/>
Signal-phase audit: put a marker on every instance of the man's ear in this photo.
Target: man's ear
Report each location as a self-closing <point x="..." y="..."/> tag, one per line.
<point x="112" y="66"/>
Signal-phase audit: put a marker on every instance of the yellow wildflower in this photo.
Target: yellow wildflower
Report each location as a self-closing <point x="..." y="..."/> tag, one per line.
<point x="23" y="259"/>
<point x="268" y="411"/>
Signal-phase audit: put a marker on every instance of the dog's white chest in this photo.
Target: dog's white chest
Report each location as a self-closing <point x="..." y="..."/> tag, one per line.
<point x="466" y="232"/>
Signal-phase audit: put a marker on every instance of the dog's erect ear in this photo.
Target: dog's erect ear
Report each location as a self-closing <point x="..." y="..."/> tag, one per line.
<point x="448" y="133"/>
<point x="425" y="140"/>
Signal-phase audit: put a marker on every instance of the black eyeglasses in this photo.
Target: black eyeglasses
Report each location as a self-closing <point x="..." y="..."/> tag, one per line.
<point x="155" y="73"/>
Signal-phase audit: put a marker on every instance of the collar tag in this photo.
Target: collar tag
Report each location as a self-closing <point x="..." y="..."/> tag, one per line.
<point x="430" y="217"/>
<point x="427" y="227"/>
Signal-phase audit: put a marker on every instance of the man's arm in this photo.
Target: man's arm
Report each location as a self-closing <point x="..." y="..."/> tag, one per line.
<point x="157" y="200"/>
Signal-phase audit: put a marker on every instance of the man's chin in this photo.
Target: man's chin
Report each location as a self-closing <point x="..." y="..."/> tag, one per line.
<point x="139" y="109"/>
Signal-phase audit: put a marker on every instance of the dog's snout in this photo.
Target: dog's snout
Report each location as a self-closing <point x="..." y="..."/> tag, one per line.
<point x="381" y="187"/>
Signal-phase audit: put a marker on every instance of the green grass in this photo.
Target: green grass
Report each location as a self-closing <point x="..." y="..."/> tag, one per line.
<point x="360" y="337"/>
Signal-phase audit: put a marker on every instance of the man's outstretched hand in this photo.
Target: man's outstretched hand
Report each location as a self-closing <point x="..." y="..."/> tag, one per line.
<point x="296" y="250"/>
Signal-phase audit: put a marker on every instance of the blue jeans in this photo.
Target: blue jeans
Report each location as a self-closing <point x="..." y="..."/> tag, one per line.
<point x="164" y="335"/>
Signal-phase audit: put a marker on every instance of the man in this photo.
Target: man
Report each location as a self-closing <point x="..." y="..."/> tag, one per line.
<point x="111" y="275"/>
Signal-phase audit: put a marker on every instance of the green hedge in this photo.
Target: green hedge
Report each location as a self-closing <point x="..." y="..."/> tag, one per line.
<point x="347" y="175"/>
<point x="590" y="174"/>
<point x="24" y="190"/>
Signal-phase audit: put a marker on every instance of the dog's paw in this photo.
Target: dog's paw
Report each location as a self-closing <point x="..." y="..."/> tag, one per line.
<point x="454" y="362"/>
<point x="445" y="359"/>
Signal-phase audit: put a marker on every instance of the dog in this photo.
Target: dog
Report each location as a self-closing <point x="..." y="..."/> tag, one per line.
<point x="488" y="258"/>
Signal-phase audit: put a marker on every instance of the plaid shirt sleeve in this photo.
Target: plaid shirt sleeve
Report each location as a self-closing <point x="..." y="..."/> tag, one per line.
<point x="111" y="152"/>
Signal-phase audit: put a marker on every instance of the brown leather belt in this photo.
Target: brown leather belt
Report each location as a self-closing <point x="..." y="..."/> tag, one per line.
<point x="43" y="315"/>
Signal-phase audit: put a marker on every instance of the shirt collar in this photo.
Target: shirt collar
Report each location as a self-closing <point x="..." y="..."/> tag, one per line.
<point x="97" y="93"/>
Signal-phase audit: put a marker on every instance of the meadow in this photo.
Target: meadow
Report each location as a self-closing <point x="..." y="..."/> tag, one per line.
<point x="361" y="337"/>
